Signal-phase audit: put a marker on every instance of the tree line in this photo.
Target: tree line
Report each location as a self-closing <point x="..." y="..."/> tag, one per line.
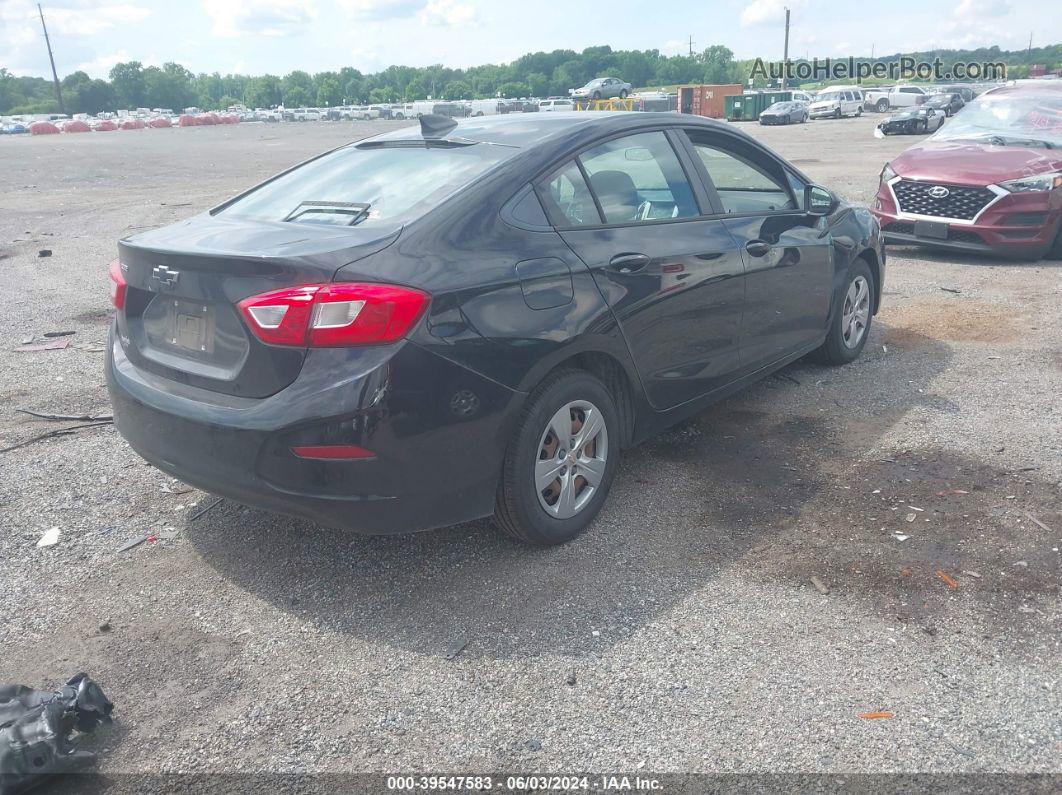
<point x="540" y="74"/>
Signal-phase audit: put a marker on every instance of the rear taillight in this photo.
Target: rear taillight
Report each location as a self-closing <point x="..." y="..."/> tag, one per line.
<point x="334" y="315"/>
<point x="118" y="284"/>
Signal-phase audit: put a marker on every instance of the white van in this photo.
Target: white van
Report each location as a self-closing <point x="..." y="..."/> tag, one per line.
<point x="555" y="105"/>
<point x="484" y="107"/>
<point x="837" y="101"/>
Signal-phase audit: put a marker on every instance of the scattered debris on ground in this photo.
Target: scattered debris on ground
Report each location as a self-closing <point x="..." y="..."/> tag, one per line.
<point x="40" y="731"/>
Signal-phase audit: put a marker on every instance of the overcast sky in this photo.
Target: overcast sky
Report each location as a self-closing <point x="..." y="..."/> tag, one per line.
<point x="277" y="36"/>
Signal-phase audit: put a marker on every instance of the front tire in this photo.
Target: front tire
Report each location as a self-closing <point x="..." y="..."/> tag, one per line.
<point x="561" y="462"/>
<point x="850" y="326"/>
<point x="623" y="94"/>
<point x="883" y="105"/>
<point x="859" y="111"/>
<point x="1055" y="252"/>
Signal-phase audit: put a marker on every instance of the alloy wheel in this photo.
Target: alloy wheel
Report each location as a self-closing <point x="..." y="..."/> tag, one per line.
<point x="856" y="313"/>
<point x="570" y="464"/>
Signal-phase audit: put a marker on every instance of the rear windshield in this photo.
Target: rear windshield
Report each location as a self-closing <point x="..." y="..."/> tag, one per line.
<point x="364" y="185"/>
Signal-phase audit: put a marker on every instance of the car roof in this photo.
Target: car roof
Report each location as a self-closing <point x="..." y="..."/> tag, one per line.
<point x="523" y="129"/>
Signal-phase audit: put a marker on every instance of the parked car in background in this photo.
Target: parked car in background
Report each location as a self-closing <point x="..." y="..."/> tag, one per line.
<point x="419" y="108"/>
<point x="555" y="105"/>
<point x="785" y="113"/>
<point x="989" y="181"/>
<point x="948" y="103"/>
<point x="967" y="92"/>
<point x="305" y="114"/>
<point x="803" y="96"/>
<point x="895" y="97"/>
<point x="913" y="121"/>
<point x="837" y="102"/>
<point x="453" y="110"/>
<point x="363" y="113"/>
<point x="282" y="349"/>
<point x="602" y="88"/>
<point x="382" y="111"/>
<point x="485" y="107"/>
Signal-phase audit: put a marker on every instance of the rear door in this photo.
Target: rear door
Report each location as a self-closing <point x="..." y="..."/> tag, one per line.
<point x="788" y="254"/>
<point x="634" y="211"/>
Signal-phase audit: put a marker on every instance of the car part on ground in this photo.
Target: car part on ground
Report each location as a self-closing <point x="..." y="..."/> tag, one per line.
<point x="989" y="181"/>
<point x="39" y="731"/>
<point x="523" y="290"/>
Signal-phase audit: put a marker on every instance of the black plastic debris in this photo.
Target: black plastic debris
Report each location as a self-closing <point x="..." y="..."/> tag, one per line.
<point x="39" y="731"/>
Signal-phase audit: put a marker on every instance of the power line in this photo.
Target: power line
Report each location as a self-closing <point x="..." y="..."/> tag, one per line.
<point x="785" y="52"/>
<point x="55" y="75"/>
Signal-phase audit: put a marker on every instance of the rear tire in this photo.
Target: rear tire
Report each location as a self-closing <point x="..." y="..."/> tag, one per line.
<point x="850" y="326"/>
<point x="623" y="94"/>
<point x="542" y="495"/>
<point x="859" y="111"/>
<point x="1055" y="252"/>
<point x="883" y="105"/>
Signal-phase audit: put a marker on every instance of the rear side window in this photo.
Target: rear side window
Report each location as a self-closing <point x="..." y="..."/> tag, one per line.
<point x="364" y="186"/>
<point x="567" y="198"/>
<point x="639" y="178"/>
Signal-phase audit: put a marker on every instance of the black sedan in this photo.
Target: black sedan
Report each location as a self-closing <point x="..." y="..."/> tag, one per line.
<point x="785" y="113"/>
<point x="455" y="321"/>
<point x="913" y="121"/>
<point x="950" y="104"/>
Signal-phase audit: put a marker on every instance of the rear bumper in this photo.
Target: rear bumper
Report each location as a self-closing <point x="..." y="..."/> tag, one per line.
<point x="1017" y="225"/>
<point x="438" y="432"/>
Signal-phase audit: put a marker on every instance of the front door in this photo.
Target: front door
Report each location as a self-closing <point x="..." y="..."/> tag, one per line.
<point x="788" y="254"/>
<point x="674" y="278"/>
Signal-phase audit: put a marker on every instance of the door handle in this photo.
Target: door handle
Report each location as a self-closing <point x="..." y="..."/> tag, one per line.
<point x="628" y="263"/>
<point x="757" y="248"/>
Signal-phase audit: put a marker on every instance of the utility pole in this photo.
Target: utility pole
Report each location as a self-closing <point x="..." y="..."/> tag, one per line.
<point x="691" y="45"/>
<point x="55" y="75"/>
<point x="785" y="52"/>
<point x="1029" y="53"/>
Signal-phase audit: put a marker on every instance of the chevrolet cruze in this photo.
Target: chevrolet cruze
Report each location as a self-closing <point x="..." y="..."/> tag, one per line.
<point x="454" y="321"/>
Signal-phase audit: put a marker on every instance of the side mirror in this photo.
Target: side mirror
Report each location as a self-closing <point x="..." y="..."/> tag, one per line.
<point x="819" y="201"/>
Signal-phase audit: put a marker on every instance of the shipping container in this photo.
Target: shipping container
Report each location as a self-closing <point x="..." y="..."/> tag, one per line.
<point x="703" y="100"/>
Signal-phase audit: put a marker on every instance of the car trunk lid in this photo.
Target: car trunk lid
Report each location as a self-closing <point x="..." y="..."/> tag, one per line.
<point x="180" y="320"/>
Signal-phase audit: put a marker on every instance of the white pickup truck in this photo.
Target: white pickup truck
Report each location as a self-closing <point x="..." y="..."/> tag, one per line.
<point x="896" y="97"/>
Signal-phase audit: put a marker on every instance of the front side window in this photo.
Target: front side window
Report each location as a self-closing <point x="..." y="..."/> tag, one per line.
<point x="743" y="185"/>
<point x="639" y="178"/>
<point x="364" y="185"/>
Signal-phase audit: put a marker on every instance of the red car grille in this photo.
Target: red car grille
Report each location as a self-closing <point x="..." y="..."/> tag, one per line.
<point x="960" y="202"/>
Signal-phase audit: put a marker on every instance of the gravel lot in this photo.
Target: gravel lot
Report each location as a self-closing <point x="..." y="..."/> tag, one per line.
<point x="682" y="633"/>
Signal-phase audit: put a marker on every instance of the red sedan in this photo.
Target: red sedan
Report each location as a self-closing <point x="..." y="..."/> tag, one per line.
<point x="989" y="181"/>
